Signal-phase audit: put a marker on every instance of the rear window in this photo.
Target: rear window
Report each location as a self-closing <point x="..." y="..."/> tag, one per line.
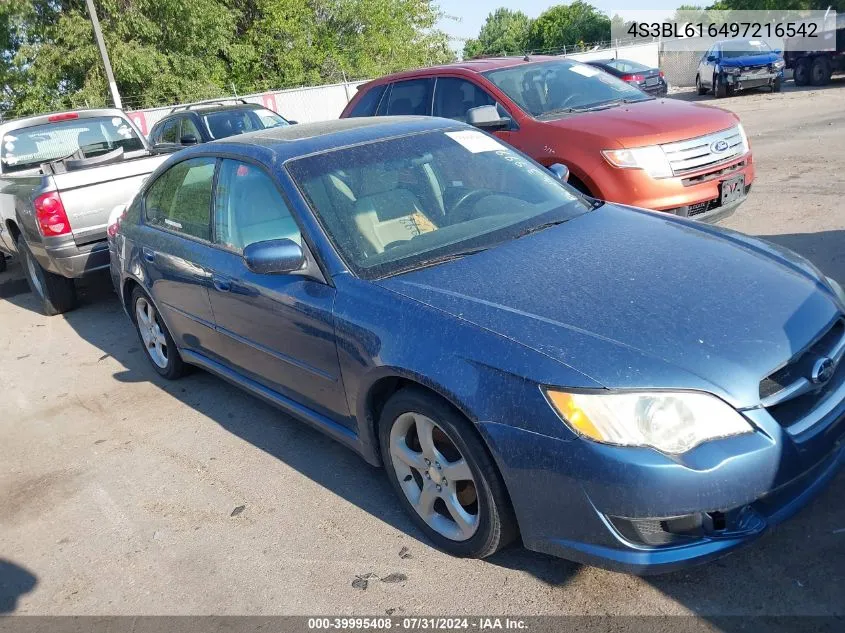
<point x="368" y="102"/>
<point x="625" y="66"/>
<point x="27" y="148"/>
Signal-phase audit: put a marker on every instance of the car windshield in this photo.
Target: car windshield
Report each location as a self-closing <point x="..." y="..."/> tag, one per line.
<point x="230" y="122"/>
<point x="403" y="203"/>
<point x="741" y="48"/>
<point x="27" y="148"/>
<point x="547" y="89"/>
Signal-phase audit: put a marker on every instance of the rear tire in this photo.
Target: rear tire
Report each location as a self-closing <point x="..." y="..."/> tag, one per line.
<point x="699" y="88"/>
<point x="57" y="294"/>
<point x="820" y="71"/>
<point x="801" y="73"/>
<point x="447" y="483"/>
<point x="159" y="346"/>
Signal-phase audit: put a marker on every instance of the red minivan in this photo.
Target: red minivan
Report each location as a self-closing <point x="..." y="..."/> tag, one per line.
<point x="618" y="143"/>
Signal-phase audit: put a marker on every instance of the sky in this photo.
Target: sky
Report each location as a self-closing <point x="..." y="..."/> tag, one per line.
<point x="472" y="13"/>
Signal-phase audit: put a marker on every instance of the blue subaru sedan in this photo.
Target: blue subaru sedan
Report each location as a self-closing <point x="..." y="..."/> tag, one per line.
<point x="614" y="386"/>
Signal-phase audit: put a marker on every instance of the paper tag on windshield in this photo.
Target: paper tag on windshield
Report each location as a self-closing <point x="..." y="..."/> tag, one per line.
<point x="587" y="71"/>
<point x="475" y="142"/>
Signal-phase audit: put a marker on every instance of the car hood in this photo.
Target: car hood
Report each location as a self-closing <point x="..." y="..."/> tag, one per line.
<point x="646" y="122"/>
<point x="633" y="299"/>
<point x="749" y="60"/>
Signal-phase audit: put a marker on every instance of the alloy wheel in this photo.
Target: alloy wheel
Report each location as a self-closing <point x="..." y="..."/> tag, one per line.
<point x="434" y="476"/>
<point x="151" y="333"/>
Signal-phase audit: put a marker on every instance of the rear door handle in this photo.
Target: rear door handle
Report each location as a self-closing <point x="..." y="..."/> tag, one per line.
<point x="148" y="254"/>
<point x="222" y="284"/>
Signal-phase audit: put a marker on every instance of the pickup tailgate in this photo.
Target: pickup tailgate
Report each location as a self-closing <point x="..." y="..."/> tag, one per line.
<point x="89" y="195"/>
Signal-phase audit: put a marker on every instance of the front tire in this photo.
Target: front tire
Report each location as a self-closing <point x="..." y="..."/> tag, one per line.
<point x="158" y="344"/>
<point x="2" y="263"/>
<point x="57" y="294"/>
<point x="443" y="475"/>
<point x="701" y="89"/>
<point x="777" y="85"/>
<point x="720" y="88"/>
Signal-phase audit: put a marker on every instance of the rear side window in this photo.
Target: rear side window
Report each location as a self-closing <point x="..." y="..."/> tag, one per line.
<point x="368" y="102"/>
<point x="453" y="97"/>
<point x="411" y="97"/>
<point x="249" y="208"/>
<point x="180" y="199"/>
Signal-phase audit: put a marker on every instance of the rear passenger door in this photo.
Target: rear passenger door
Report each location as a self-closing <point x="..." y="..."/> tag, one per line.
<point x="277" y="330"/>
<point x="175" y="258"/>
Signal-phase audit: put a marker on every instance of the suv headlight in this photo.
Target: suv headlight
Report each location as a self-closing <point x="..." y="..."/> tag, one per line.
<point x="837" y="290"/>
<point x="779" y="64"/>
<point x="671" y="422"/>
<point x="651" y="159"/>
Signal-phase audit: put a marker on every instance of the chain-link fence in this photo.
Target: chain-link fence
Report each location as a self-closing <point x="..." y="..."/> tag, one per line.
<point x="679" y="67"/>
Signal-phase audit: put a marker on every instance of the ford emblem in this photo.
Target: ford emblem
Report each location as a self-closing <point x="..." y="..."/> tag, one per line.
<point x="823" y="370"/>
<point x="717" y="147"/>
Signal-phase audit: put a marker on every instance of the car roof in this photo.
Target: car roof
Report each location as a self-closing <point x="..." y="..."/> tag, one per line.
<point x="470" y="65"/>
<point x="294" y="141"/>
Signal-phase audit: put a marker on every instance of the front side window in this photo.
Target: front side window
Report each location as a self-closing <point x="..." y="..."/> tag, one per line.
<point x="548" y="89"/>
<point x="248" y="208"/>
<point x="180" y="199"/>
<point x="27" y="148"/>
<point x="268" y="118"/>
<point x="453" y="97"/>
<point x="411" y="97"/>
<point x="170" y="131"/>
<point x="189" y="128"/>
<point x="402" y="203"/>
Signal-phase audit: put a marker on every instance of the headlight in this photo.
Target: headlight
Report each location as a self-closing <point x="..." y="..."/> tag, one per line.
<point x="651" y="159"/>
<point x="837" y="290"/>
<point x="671" y="422"/>
<point x="779" y="64"/>
<point x="745" y="144"/>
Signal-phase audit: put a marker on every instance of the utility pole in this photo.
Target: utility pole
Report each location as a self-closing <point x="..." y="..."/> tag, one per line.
<point x="95" y="22"/>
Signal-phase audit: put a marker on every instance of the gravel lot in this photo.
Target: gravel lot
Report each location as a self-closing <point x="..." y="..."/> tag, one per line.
<point x="124" y="494"/>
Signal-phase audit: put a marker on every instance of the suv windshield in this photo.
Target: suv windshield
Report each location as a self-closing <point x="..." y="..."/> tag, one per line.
<point x="225" y="123"/>
<point x="27" y="148"/>
<point x="545" y="89"/>
<point x="409" y="202"/>
<point x="741" y="48"/>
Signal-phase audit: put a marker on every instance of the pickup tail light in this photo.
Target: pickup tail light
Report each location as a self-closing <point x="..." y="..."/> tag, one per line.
<point x="633" y="77"/>
<point x="50" y="214"/>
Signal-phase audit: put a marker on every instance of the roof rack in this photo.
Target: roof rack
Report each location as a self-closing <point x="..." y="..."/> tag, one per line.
<point x="209" y="102"/>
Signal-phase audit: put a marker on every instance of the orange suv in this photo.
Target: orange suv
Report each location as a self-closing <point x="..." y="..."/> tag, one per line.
<point x="618" y="143"/>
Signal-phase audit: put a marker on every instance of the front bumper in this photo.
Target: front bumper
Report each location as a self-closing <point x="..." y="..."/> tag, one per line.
<point x="695" y="195"/>
<point x="577" y="499"/>
<point x="756" y="80"/>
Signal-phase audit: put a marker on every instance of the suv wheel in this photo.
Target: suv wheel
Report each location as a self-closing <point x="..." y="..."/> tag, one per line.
<point x="57" y="294"/>
<point x="443" y="475"/>
<point x="701" y="89"/>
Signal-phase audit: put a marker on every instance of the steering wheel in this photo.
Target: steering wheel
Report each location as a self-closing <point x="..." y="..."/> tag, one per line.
<point x="464" y="204"/>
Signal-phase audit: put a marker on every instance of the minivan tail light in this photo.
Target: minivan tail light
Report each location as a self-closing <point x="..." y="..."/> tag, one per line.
<point x="64" y="116"/>
<point x="50" y="214"/>
<point x="633" y="77"/>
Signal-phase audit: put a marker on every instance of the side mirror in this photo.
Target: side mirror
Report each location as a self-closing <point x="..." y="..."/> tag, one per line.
<point x="189" y="139"/>
<point x="274" y="257"/>
<point x="560" y="171"/>
<point x="487" y="118"/>
<point x="711" y="58"/>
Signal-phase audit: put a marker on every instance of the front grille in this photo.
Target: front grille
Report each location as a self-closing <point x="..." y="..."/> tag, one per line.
<point x="790" y="393"/>
<point x="699" y="153"/>
<point x="712" y="175"/>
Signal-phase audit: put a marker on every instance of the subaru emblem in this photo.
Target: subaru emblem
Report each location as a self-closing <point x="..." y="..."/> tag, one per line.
<point x="718" y="147"/>
<point x="823" y="371"/>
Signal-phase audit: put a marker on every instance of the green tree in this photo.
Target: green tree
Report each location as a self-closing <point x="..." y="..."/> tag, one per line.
<point x="504" y="32"/>
<point x="564" y="25"/>
<point x="165" y="51"/>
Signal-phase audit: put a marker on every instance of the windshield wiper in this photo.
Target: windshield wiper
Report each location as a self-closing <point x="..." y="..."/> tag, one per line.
<point x="441" y="259"/>
<point x="539" y="227"/>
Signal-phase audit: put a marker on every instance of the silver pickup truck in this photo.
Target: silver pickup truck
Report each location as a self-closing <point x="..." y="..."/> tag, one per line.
<point x="61" y="175"/>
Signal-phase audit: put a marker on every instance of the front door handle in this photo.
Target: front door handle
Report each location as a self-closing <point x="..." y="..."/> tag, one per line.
<point x="221" y="283"/>
<point x="148" y="254"/>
